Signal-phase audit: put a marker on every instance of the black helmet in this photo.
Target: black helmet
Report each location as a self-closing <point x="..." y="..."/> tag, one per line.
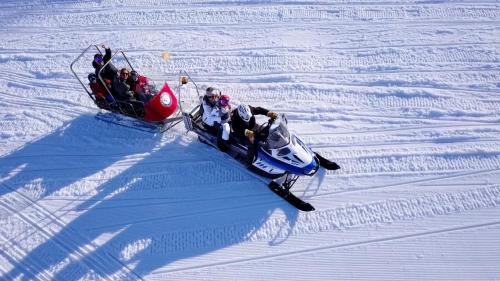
<point x="92" y="78"/>
<point x="134" y="75"/>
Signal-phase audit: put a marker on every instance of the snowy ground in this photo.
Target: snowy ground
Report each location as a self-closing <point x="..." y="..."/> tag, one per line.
<point x="404" y="95"/>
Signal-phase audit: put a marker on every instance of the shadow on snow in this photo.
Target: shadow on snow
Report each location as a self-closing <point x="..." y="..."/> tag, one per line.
<point x="180" y="201"/>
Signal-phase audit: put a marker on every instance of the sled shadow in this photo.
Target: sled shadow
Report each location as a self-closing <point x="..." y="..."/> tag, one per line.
<point x="78" y="149"/>
<point x="184" y="200"/>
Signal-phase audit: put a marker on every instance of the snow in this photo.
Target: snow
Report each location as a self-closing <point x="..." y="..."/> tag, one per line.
<point x="404" y="95"/>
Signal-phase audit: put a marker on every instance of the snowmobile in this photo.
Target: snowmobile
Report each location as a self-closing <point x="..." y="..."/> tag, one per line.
<point x="159" y="114"/>
<point x="281" y="157"/>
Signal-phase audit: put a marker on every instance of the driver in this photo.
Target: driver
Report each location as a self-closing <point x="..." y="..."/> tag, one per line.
<point x="246" y="130"/>
<point x="243" y="122"/>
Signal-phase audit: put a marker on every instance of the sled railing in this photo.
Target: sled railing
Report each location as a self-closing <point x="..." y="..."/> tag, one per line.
<point x="185" y="78"/>
<point x="116" y="106"/>
<point x="117" y="102"/>
<point x="71" y="66"/>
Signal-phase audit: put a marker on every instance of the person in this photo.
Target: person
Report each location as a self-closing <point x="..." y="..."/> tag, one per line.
<point x="120" y="87"/>
<point x="100" y="92"/>
<point x="139" y="84"/>
<point x="243" y="123"/>
<point x="215" y="116"/>
<point x="246" y="130"/>
<point x="110" y="71"/>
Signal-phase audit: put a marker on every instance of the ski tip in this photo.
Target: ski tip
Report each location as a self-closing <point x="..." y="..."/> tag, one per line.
<point x="307" y="208"/>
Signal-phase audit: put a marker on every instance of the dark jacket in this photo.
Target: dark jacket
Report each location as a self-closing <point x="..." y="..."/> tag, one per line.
<point x="238" y="125"/>
<point x="121" y="89"/>
<point x="110" y="71"/>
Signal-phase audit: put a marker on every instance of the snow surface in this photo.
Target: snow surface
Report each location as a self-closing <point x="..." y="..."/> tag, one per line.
<point x="404" y="95"/>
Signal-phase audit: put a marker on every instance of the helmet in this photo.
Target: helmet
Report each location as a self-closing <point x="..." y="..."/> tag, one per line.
<point x="244" y="112"/>
<point x="212" y="92"/>
<point x="224" y="100"/>
<point x="134" y="75"/>
<point x="98" y="58"/>
<point x="92" y="78"/>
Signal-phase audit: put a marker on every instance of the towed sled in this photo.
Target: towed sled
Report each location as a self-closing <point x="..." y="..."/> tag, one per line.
<point x="159" y="114"/>
<point x="281" y="158"/>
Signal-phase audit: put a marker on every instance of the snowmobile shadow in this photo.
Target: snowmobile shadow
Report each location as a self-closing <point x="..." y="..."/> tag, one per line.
<point x="183" y="201"/>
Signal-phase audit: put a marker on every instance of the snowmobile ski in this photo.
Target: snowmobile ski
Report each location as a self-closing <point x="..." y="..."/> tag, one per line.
<point x="290" y="197"/>
<point x="327" y="164"/>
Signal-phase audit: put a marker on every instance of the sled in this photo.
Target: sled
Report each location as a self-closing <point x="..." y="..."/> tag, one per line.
<point x="159" y="114"/>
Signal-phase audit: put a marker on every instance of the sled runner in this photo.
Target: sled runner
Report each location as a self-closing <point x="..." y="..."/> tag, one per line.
<point x="158" y="114"/>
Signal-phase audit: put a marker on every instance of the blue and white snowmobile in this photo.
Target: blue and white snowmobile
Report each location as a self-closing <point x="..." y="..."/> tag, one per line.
<point x="281" y="156"/>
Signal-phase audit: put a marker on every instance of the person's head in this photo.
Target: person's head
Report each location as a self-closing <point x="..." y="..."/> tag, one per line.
<point x="212" y="94"/>
<point x="224" y="100"/>
<point x="92" y="78"/>
<point x="124" y="74"/>
<point x="134" y="75"/>
<point x="244" y="112"/>
<point x="98" y="59"/>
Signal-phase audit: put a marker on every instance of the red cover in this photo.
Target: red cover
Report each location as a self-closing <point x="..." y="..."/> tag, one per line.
<point x="161" y="106"/>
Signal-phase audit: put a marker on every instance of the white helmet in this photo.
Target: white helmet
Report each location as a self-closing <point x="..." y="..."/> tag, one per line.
<point x="244" y="112"/>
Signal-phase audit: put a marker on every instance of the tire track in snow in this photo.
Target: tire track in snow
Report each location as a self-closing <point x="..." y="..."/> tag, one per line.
<point x="416" y="163"/>
<point x="257" y="15"/>
<point x="339" y="219"/>
<point x="325" y="248"/>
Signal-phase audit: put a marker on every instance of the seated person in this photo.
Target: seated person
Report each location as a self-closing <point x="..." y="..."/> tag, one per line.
<point x="99" y="91"/>
<point x="243" y="122"/>
<point x="141" y="87"/>
<point x="215" y="115"/>
<point x="120" y="88"/>
<point x="245" y="128"/>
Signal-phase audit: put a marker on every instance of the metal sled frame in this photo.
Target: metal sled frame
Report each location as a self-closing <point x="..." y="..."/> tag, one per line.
<point x="120" y="107"/>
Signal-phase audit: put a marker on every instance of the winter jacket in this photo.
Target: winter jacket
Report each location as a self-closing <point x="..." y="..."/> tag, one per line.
<point x="238" y="125"/>
<point x="110" y="71"/>
<point x="98" y="90"/>
<point x="211" y="112"/>
<point x="121" y="90"/>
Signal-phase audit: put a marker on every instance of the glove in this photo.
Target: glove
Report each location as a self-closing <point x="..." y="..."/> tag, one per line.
<point x="104" y="46"/>
<point x="272" y="115"/>
<point x="250" y="135"/>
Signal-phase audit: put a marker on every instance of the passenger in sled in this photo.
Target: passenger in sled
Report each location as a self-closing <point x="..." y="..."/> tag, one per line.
<point x="122" y="88"/>
<point x="109" y="72"/>
<point x="102" y="96"/>
<point x="143" y="90"/>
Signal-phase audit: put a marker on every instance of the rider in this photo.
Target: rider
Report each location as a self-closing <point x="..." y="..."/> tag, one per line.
<point x="98" y="90"/>
<point x="121" y="88"/>
<point x="110" y="71"/>
<point x="216" y="115"/>
<point x="139" y="84"/>
<point x="243" y="122"/>
<point x="245" y="128"/>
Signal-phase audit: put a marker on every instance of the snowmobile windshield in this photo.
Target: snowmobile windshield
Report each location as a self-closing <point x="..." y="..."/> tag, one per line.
<point x="278" y="136"/>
